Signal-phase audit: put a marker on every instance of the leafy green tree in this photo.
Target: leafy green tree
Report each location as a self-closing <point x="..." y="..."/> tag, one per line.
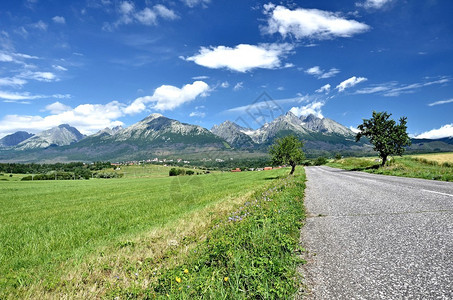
<point x="287" y="150"/>
<point x="387" y="137"/>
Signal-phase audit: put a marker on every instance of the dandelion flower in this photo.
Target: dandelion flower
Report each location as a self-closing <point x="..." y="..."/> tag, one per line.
<point x="178" y="279"/>
<point x="186" y="271"/>
<point x="225" y="279"/>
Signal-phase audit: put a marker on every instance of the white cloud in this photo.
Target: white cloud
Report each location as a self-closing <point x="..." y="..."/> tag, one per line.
<point x="200" y="77"/>
<point x="147" y="16"/>
<point x="314" y="71"/>
<point x="441" y="102"/>
<point x="313" y="108"/>
<point x="12" y="82"/>
<point x="59" y="20"/>
<point x="243" y="57"/>
<point x="309" y="23"/>
<point x="40" y="25"/>
<point x="393" y="89"/>
<point x="193" y="3"/>
<point x="164" y="12"/>
<point x="225" y="84"/>
<point x="197" y="114"/>
<point x="39" y="76"/>
<point x="238" y="86"/>
<point x="9" y="96"/>
<point x="57" y="108"/>
<point x="59" y="68"/>
<point x="348" y="83"/>
<point x="444" y="131"/>
<point x="354" y="129"/>
<point x="6" y="57"/>
<point x="320" y="74"/>
<point x="373" y="3"/>
<point x="331" y="73"/>
<point x="324" y="88"/>
<point x="168" y="97"/>
<point x="88" y="118"/>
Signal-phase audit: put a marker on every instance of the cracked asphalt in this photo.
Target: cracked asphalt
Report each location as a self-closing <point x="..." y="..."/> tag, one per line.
<point x="377" y="237"/>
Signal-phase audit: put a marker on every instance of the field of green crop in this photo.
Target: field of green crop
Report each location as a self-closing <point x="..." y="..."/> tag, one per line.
<point x="79" y="238"/>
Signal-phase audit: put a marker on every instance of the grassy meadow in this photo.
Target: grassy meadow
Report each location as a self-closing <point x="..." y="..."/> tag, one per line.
<point x="438" y="166"/>
<point x="99" y="237"/>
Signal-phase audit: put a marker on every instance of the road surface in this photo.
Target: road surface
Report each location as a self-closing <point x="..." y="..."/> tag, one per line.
<point x="377" y="237"/>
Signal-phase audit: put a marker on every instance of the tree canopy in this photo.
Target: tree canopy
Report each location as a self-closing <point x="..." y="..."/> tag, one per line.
<point x="288" y="151"/>
<point x="387" y="137"/>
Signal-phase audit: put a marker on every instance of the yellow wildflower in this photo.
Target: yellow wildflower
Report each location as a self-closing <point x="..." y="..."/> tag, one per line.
<point x="225" y="279"/>
<point x="186" y="271"/>
<point x="178" y="279"/>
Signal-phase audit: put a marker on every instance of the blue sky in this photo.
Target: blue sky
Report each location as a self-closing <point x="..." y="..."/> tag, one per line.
<point x="99" y="63"/>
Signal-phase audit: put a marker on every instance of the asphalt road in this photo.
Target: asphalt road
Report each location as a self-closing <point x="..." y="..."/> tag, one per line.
<point x="377" y="237"/>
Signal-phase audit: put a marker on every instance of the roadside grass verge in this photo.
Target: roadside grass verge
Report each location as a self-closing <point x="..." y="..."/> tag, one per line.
<point x="101" y="238"/>
<point x="406" y="166"/>
<point x="251" y="253"/>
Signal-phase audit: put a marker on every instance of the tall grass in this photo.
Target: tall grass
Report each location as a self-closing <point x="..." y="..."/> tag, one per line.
<point x="49" y="230"/>
<point x="406" y="166"/>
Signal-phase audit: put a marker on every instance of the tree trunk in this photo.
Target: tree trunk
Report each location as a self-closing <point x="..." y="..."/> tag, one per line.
<point x="293" y="167"/>
<point x="384" y="160"/>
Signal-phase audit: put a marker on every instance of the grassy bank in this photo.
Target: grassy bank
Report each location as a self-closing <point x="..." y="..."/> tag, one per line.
<point x="97" y="238"/>
<point x="248" y="253"/>
<point x="433" y="166"/>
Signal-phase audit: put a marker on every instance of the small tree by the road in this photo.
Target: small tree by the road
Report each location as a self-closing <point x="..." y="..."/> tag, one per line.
<point x="387" y="137"/>
<point x="288" y="151"/>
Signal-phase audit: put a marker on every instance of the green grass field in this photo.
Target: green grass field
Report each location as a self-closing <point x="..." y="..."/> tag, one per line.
<point x="415" y="166"/>
<point x="78" y="238"/>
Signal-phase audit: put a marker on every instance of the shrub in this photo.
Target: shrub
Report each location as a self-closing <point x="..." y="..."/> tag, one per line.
<point x="320" y="161"/>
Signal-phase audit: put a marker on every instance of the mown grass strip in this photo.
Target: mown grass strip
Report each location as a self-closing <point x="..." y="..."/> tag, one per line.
<point x="249" y="254"/>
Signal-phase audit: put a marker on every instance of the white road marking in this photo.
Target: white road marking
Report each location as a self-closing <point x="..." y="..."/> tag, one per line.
<point x="434" y="192"/>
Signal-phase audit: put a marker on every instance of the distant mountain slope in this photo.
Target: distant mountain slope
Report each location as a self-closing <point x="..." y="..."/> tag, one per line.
<point x="233" y="134"/>
<point x="325" y="125"/>
<point x="61" y="135"/>
<point x="14" y="139"/>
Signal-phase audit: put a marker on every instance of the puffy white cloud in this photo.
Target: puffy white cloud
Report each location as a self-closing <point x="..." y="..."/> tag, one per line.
<point x="88" y="118"/>
<point x="147" y="16"/>
<point x="243" y="57"/>
<point x="348" y="83"/>
<point x="444" y="131"/>
<point x="59" y="20"/>
<point x="324" y="89"/>
<point x="313" y="108"/>
<point x="309" y="23"/>
<point x="164" y="12"/>
<point x="320" y="74"/>
<point x="373" y="3"/>
<point x="5" y="57"/>
<point x="168" y="97"/>
<point x="57" y="107"/>
<point x="314" y="71"/>
<point x="441" y="102"/>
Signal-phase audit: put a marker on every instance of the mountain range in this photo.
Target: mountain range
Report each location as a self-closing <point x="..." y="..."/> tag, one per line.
<point x="157" y="135"/>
